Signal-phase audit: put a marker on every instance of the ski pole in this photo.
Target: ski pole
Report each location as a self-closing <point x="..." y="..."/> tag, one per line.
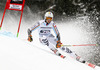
<point x="81" y="45"/>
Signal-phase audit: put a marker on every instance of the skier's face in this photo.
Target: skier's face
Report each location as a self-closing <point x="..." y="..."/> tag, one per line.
<point x="48" y="19"/>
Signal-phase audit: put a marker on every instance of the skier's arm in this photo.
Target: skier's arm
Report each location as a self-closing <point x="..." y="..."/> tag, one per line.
<point x="56" y="31"/>
<point x="58" y="45"/>
<point x="33" y="28"/>
<point x="30" y="31"/>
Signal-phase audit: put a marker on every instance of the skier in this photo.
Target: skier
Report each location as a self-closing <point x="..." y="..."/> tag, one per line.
<point x="46" y="36"/>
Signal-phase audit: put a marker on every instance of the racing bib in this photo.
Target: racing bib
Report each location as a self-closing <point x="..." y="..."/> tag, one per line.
<point x="45" y="31"/>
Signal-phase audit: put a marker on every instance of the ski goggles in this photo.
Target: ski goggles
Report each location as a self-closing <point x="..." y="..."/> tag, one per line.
<point x="48" y="18"/>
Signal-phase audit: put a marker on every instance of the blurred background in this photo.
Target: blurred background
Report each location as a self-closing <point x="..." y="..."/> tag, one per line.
<point x="62" y="7"/>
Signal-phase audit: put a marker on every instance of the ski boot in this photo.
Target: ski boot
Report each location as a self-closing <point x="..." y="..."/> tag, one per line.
<point x="59" y="54"/>
<point x="80" y="59"/>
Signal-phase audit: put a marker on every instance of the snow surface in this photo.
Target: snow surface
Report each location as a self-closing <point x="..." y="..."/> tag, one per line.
<point x="17" y="54"/>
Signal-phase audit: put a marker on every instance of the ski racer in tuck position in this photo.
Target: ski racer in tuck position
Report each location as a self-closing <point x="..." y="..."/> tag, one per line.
<point x="45" y="28"/>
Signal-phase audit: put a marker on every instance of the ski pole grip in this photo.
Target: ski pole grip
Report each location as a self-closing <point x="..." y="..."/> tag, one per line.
<point x="29" y="32"/>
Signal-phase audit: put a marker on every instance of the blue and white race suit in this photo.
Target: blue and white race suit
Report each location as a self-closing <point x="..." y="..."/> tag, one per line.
<point x="48" y="38"/>
<point x="46" y="33"/>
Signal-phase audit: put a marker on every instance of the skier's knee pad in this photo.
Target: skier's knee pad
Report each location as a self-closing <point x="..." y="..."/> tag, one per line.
<point x="68" y="50"/>
<point x="44" y="41"/>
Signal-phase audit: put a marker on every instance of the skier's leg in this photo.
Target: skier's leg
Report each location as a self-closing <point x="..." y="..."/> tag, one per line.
<point x="51" y="46"/>
<point x="46" y="41"/>
<point x="52" y="43"/>
<point x="72" y="54"/>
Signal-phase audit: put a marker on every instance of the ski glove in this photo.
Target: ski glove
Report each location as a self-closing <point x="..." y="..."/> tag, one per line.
<point x="29" y="35"/>
<point x="30" y="38"/>
<point x="58" y="45"/>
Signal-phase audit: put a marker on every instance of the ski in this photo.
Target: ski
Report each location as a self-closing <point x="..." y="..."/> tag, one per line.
<point x="90" y="65"/>
<point x="95" y="67"/>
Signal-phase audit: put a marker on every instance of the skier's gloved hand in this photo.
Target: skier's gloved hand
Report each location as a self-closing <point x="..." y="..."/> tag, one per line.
<point x="29" y="35"/>
<point x="58" y="45"/>
<point x="30" y="38"/>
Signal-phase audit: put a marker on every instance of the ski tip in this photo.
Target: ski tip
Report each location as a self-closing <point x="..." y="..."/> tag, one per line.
<point x="90" y="65"/>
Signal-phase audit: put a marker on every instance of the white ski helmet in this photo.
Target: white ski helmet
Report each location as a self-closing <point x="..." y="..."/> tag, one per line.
<point x="48" y="14"/>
